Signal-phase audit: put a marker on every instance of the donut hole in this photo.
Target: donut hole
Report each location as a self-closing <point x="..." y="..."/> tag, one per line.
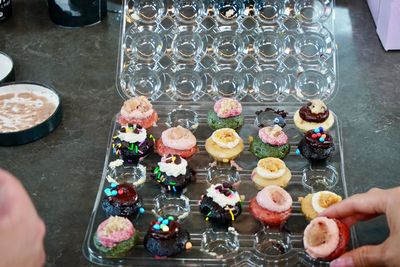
<point x="277" y="197"/>
<point x="318" y="234"/>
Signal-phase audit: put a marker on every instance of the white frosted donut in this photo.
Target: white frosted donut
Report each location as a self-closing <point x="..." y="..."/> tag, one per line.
<point x="264" y="171"/>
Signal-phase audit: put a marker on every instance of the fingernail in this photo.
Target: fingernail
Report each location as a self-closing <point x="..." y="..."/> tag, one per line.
<point x="342" y="262"/>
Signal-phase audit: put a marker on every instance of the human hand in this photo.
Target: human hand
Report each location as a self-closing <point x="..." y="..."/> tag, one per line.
<point x="21" y="229"/>
<point x="361" y="207"/>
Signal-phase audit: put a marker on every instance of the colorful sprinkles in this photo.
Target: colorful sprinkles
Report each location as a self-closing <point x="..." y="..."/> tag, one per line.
<point x="112" y="190"/>
<point x="162" y="223"/>
<point x="318" y="133"/>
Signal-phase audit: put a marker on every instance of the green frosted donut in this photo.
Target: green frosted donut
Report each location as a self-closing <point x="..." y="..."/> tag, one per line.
<point x="119" y="250"/>
<point x="216" y="122"/>
<point x="262" y="150"/>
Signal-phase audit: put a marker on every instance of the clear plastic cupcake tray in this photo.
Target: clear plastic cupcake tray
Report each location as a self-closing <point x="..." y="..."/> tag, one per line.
<point x="247" y="242"/>
<point x="194" y="50"/>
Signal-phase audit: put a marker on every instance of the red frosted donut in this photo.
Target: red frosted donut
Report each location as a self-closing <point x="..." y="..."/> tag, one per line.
<point x="266" y="216"/>
<point x="145" y="123"/>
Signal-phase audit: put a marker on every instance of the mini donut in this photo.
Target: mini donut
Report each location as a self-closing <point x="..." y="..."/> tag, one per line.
<point x="224" y="145"/>
<point x="313" y="114"/>
<point x="271" y="171"/>
<point x="325" y="239"/>
<point x="316" y="145"/>
<point x="166" y="238"/>
<point x="221" y="204"/>
<point x="173" y="173"/>
<point x="177" y="140"/>
<point x="138" y="110"/>
<point x="227" y="113"/>
<point x="313" y="204"/>
<point x="270" y="142"/>
<point x="115" y="237"/>
<point x="272" y="205"/>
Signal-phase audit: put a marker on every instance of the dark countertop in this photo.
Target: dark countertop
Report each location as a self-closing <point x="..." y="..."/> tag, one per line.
<point x="62" y="171"/>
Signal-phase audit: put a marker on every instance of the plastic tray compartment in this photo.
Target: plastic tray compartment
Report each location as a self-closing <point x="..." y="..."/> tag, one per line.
<point x="251" y="244"/>
<point x="192" y="50"/>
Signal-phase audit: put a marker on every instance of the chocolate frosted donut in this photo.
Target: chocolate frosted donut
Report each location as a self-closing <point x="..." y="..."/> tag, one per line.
<point x="121" y="200"/>
<point x="316" y="145"/>
<point x="132" y="143"/>
<point x="307" y="115"/>
<point x="221" y="204"/>
<point x="166" y="238"/>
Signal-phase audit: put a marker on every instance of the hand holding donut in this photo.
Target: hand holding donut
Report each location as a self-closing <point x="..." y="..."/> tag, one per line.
<point x="361" y="207"/>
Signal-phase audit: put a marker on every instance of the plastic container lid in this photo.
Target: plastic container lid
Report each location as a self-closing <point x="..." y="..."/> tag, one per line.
<point x="277" y="52"/>
<point x="28" y="111"/>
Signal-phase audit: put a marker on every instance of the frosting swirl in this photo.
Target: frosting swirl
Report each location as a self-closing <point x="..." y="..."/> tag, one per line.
<point x="273" y="135"/>
<point x="173" y="165"/>
<point x="137" y="108"/>
<point x="227" y="107"/>
<point x="314" y="111"/>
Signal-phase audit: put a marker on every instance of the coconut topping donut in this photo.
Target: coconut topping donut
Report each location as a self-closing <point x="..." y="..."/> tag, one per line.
<point x="178" y="138"/>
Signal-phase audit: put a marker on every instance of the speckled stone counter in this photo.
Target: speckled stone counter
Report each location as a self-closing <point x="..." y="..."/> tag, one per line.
<point x="62" y="171"/>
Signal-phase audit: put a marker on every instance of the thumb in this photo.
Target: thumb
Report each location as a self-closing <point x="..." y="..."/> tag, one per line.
<point x="361" y="257"/>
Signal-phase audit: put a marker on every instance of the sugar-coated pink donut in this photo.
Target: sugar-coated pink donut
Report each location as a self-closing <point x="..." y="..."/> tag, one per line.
<point x="112" y="239"/>
<point x="227" y="107"/>
<point x="273" y="135"/>
<point x="137" y="108"/>
<point x="274" y="198"/>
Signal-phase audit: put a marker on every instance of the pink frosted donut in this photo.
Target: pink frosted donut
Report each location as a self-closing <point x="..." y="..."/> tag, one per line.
<point x="178" y="138"/>
<point x="321" y="237"/>
<point x="273" y="135"/>
<point x="274" y="198"/>
<point x="111" y="235"/>
<point x="137" y="108"/>
<point x="227" y="107"/>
